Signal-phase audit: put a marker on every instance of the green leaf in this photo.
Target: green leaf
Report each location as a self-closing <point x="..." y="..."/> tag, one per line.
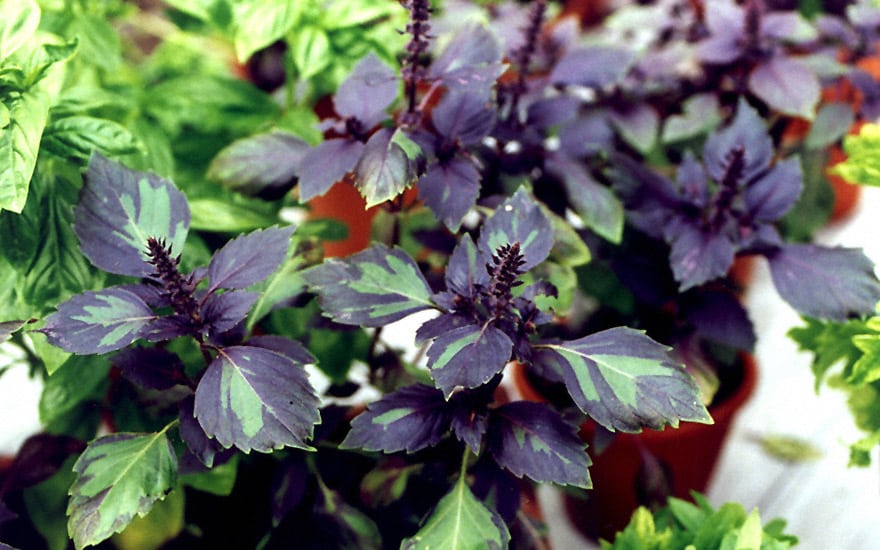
<point x="219" y="480"/>
<point x="286" y="283"/>
<point x="46" y="503"/>
<point x="19" y="144"/>
<point x="81" y="379"/>
<point x="18" y="23"/>
<point x="311" y="51"/>
<point x="751" y="533"/>
<point x="831" y="343"/>
<point x="259" y="24"/>
<point x="118" y="476"/>
<point x="833" y="121"/>
<point x="371" y="288"/>
<point x="77" y="137"/>
<point x="460" y="521"/>
<point x="867" y="368"/>
<point x="163" y="523"/>
<point x="350" y="527"/>
<point x="98" y="41"/>
<point x="233" y="215"/>
<point x="596" y="204"/>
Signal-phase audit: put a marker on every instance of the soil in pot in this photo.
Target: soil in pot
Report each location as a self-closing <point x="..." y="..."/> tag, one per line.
<point x="633" y="469"/>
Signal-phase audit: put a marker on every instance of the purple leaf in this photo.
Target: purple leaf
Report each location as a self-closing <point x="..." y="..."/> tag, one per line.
<point x="787" y="86"/>
<point x="518" y="220"/>
<point x="533" y="440"/>
<point x="153" y="368"/>
<point x="370" y="88"/>
<point x="586" y="135"/>
<point x="828" y="283"/>
<point x="450" y="190"/>
<point x="466" y="270"/>
<point x="726" y="23"/>
<point x="721" y="317"/>
<point x="748" y="133"/>
<point x="254" y="398"/>
<point x="260" y="163"/>
<point x="693" y="183"/>
<point x="595" y="67"/>
<point x="468" y="357"/>
<point x="774" y="193"/>
<point x="291" y="349"/>
<point x="471" y="60"/>
<point x="326" y="164"/>
<point x="119" y="209"/>
<point x="696" y="255"/>
<point x="638" y="125"/>
<point x="223" y="311"/>
<point x="387" y="167"/>
<point x="249" y="259"/>
<point x="465" y="117"/>
<point x="197" y="441"/>
<point x="372" y="288"/>
<point x="410" y="419"/>
<point x="624" y="380"/>
<point x="99" y="321"/>
<point x="470" y="427"/>
<point x="440" y="325"/>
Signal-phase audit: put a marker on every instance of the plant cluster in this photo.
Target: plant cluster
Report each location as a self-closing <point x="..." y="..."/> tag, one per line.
<point x="580" y="203"/>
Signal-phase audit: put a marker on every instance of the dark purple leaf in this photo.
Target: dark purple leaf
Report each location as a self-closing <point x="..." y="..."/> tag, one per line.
<point x="388" y="166"/>
<point x="530" y="439"/>
<point x="440" y="325"/>
<point x="693" y="183"/>
<point x="262" y="163"/>
<point x="39" y="457"/>
<point x="338" y="524"/>
<point x="369" y="89"/>
<point x="747" y="133"/>
<point x="469" y="427"/>
<point x="288" y="487"/>
<point x="518" y="220"/>
<point x="787" y="86"/>
<point x="465" y="117"/>
<point x="586" y="135"/>
<point x="555" y="111"/>
<point x="258" y="399"/>
<point x="167" y="328"/>
<point x="223" y="311"/>
<point x="98" y="322"/>
<point x="372" y="288"/>
<point x="450" y="190"/>
<point x="291" y="349"/>
<point x="327" y="164"/>
<point x="721" y="317"/>
<point x="410" y="419"/>
<point x="152" y="294"/>
<point x="774" y="193"/>
<point x="472" y="59"/>
<point x="197" y="441"/>
<point x="6" y="515"/>
<point x="828" y="283"/>
<point x="696" y="255"/>
<point x="468" y="357"/>
<point x="249" y="259"/>
<point x="624" y="380"/>
<point x="153" y="368"/>
<point x="119" y="209"/>
<point x="595" y="67"/>
<point x="466" y="270"/>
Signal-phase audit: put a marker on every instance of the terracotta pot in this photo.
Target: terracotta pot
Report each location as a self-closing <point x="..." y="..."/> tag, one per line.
<point x="345" y="204"/>
<point x="687" y="456"/>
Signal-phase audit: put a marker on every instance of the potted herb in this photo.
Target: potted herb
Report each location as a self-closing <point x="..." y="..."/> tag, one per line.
<point x="204" y="355"/>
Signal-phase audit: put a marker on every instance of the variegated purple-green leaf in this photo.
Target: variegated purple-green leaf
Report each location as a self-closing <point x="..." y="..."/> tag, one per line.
<point x="450" y="189"/>
<point x="595" y="203"/>
<point x="255" y="398"/>
<point x="372" y="288"/>
<point x="638" y="125"/>
<point x="410" y="419"/>
<point x="388" y="166"/>
<point x="99" y="321"/>
<point x="531" y="439"/>
<point x="153" y="368"/>
<point x="468" y="357"/>
<point x="787" y="86"/>
<point x="823" y="282"/>
<point x="223" y="311"/>
<point x="264" y="163"/>
<point x="117" y="477"/>
<point x="7" y="328"/>
<point x="197" y="441"/>
<point x="466" y="270"/>
<point x="327" y="164"/>
<point x="249" y="259"/>
<point x="625" y="380"/>
<point x="291" y="349"/>
<point x="119" y="209"/>
<point x="518" y="220"/>
<point x="697" y="256"/>
<point x="370" y="88"/>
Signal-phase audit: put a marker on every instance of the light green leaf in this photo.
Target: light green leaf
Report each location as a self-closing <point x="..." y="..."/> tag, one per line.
<point x="311" y="51"/>
<point x="76" y="137"/>
<point x="163" y="523"/>
<point x="863" y="163"/>
<point x="234" y="216"/>
<point x="219" y="480"/>
<point x="751" y="533"/>
<point x="831" y="342"/>
<point x="98" y="41"/>
<point x="80" y="379"/>
<point x="458" y="522"/>
<point x="118" y="476"/>
<point x="259" y="24"/>
<point x="19" y="144"/>
<point x="18" y="23"/>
